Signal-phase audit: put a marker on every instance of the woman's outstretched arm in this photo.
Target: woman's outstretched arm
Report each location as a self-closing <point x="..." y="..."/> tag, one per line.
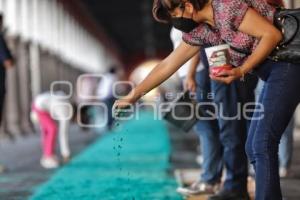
<point x="160" y="73"/>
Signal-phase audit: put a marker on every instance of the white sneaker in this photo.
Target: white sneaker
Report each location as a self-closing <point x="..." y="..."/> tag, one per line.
<point x="285" y="172"/>
<point x="49" y="162"/>
<point x="198" y="188"/>
<point x="199" y="160"/>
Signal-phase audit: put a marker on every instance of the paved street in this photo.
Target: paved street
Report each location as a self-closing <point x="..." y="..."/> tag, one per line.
<point x="21" y="158"/>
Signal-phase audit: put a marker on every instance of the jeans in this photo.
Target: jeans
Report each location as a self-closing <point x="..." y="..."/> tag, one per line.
<point x="233" y="132"/>
<point x="287" y="140"/>
<point x="279" y="98"/>
<point x="2" y="91"/>
<point x="223" y="140"/>
<point x="286" y="146"/>
<point x="208" y="132"/>
<point x="97" y="115"/>
<point x="109" y="102"/>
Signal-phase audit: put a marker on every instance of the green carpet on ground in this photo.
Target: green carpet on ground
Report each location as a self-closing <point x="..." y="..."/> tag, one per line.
<point x="130" y="163"/>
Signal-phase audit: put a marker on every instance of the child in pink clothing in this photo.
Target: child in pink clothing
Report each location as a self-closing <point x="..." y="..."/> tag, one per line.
<point x="49" y="131"/>
<point x="50" y="108"/>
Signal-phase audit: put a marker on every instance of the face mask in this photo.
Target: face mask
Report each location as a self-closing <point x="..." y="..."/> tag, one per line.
<point x="184" y="24"/>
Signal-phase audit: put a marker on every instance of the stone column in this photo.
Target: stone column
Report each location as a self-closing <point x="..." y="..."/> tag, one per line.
<point x="24" y="86"/>
<point x="11" y="107"/>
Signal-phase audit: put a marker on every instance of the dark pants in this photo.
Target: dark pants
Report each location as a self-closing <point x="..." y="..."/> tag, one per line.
<point x="280" y="97"/>
<point x="208" y="131"/>
<point x="232" y="133"/>
<point x="2" y="92"/>
<point x="109" y="102"/>
<point x="224" y="139"/>
<point x="2" y="97"/>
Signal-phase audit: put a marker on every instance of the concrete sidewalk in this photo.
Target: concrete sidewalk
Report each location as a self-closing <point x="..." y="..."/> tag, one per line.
<point x="290" y="186"/>
<point x="21" y="158"/>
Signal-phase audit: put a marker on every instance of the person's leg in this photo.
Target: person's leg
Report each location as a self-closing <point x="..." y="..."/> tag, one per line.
<point x="2" y="92"/>
<point x="286" y="142"/>
<point x="43" y="140"/>
<point x="279" y="100"/>
<point x="43" y="129"/>
<point x="2" y="95"/>
<point x="48" y="127"/>
<point x="259" y="89"/>
<point x="232" y="136"/>
<point x="286" y="147"/>
<point x="212" y="153"/>
<point x="64" y="139"/>
<point x="253" y="125"/>
<point x="208" y="132"/>
<point x="109" y="103"/>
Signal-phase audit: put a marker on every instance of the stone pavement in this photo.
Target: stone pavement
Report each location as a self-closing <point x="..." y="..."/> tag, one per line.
<point x="21" y="158"/>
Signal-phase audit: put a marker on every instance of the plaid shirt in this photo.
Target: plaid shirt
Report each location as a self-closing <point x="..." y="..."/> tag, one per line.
<point x="228" y="15"/>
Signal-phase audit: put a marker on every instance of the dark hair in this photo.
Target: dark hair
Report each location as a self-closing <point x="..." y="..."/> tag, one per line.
<point x="112" y="70"/>
<point x="1" y="18"/>
<point x="162" y="8"/>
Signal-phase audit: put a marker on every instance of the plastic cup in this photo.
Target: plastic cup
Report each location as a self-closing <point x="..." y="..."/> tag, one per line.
<point x="218" y="59"/>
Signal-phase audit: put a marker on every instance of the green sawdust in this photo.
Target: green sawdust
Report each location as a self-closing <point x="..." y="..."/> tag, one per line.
<point x="130" y="163"/>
